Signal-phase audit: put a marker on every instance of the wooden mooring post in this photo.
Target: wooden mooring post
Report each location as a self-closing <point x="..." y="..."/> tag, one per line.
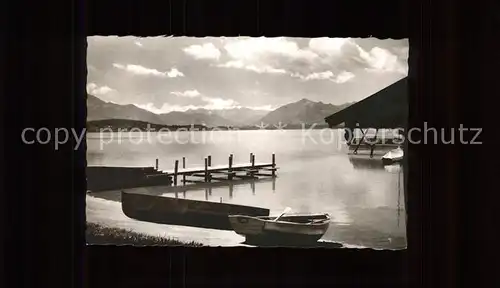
<point x="230" y="168"/>
<point x="209" y="161"/>
<point x="156" y="165"/>
<point x="184" y="175"/>
<point x="206" y="171"/>
<point x="176" y="170"/>
<point x="273" y="171"/>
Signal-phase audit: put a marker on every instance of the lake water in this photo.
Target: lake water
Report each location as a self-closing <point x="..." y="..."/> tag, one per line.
<point x="315" y="174"/>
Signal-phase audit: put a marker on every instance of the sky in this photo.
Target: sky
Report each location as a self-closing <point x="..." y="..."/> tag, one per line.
<point x="164" y="74"/>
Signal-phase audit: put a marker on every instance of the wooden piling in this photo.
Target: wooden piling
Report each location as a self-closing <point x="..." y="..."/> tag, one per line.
<point x="206" y="170"/>
<point x="184" y="175"/>
<point x="273" y="171"/>
<point x="176" y="170"/>
<point x="230" y="169"/>
<point x="156" y="166"/>
<point x="229" y="173"/>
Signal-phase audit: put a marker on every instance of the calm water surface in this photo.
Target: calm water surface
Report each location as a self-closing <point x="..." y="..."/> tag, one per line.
<point x="315" y="175"/>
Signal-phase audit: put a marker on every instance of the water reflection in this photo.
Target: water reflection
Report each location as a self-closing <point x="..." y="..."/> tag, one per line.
<point x="375" y="163"/>
<point x="314" y="177"/>
<point x="365" y="162"/>
<point x="208" y="188"/>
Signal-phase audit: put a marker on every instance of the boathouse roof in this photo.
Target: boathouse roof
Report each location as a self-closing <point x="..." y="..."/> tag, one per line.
<point x="388" y="108"/>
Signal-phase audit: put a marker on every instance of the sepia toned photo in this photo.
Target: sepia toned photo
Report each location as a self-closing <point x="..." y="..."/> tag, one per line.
<point x="245" y="141"/>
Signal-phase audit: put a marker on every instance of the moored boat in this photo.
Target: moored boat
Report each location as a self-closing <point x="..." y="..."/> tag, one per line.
<point x="299" y="228"/>
<point x="184" y="212"/>
<point x="393" y="156"/>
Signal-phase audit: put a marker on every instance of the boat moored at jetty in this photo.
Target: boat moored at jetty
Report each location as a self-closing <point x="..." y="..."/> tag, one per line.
<point x="393" y="156"/>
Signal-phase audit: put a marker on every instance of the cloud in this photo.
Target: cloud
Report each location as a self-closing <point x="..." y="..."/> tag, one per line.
<point x="141" y="70"/>
<point x="266" y="70"/>
<point x="255" y="68"/>
<point x="312" y="60"/>
<point x="251" y="49"/>
<point x="95" y="90"/>
<point x="264" y="55"/>
<point x="377" y="59"/>
<point x="215" y="104"/>
<point x="205" y="51"/>
<point x="326" y="75"/>
<point x="263" y="107"/>
<point x="219" y="103"/>
<point x="174" y="73"/>
<point x="329" y="46"/>
<point x="381" y="60"/>
<point x="187" y="93"/>
<point x="212" y="102"/>
<point x="344" y="76"/>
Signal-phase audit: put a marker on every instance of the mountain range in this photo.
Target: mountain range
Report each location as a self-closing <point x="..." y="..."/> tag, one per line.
<point x="303" y="111"/>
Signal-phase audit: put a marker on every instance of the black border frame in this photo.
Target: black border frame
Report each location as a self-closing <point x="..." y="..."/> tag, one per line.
<point x="45" y="65"/>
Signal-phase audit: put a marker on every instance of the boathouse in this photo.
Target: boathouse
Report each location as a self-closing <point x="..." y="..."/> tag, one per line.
<point x="386" y="109"/>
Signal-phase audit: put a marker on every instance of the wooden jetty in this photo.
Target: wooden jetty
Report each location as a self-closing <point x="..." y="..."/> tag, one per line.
<point x="105" y="178"/>
<point x="176" y="211"/>
<point x="222" y="173"/>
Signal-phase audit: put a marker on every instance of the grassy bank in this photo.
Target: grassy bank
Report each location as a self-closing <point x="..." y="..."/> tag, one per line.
<point x="98" y="234"/>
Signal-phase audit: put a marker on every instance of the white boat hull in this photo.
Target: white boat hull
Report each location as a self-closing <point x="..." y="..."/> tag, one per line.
<point x="392" y="156"/>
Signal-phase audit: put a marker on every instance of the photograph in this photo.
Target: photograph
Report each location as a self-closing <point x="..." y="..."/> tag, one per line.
<point x="246" y="141"/>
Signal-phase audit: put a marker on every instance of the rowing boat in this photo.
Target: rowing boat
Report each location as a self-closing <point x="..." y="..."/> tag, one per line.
<point x="300" y="228"/>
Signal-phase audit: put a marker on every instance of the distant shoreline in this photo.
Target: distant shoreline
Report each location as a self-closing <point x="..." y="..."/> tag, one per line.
<point x="125" y="125"/>
<point x="201" y="130"/>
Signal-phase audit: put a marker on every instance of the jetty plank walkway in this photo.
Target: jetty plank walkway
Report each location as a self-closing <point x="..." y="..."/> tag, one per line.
<point x="230" y="172"/>
<point x="220" y="168"/>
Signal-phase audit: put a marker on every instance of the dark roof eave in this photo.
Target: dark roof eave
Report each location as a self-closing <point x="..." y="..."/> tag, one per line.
<point x="367" y="112"/>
